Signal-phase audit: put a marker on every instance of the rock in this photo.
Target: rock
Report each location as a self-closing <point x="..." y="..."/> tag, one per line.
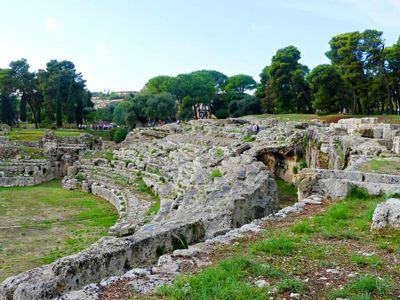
<point x="387" y="214"/>
<point x="261" y="283"/>
<point x="294" y="296"/>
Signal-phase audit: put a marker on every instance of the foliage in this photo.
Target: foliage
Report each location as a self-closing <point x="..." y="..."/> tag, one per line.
<point x="118" y="134"/>
<point x="57" y="93"/>
<point x="215" y="173"/>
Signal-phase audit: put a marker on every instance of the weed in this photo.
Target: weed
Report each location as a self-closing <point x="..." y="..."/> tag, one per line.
<point x="283" y="245"/>
<point x="249" y="138"/>
<point x="215" y="173"/>
<point x="219" y="153"/>
<point x="368" y="261"/>
<point x="291" y="285"/>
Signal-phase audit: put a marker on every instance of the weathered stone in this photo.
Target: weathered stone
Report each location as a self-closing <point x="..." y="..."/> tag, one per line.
<point x="387" y="214"/>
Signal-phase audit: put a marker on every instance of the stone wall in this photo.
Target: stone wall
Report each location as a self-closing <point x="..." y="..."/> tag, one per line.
<point x="338" y="183"/>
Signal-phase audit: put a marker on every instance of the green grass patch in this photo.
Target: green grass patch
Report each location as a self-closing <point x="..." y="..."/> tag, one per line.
<point x="215" y="173"/>
<point x="382" y="165"/>
<point x="291" y="253"/>
<point x="227" y="280"/>
<point x="372" y="261"/>
<point x="219" y="153"/>
<point x="287" y="193"/>
<point x="366" y="287"/>
<point x="282" y="245"/>
<point x="45" y="222"/>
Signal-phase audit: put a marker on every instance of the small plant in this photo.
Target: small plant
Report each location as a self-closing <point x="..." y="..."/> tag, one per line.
<point x="371" y="261"/>
<point x="295" y="169"/>
<point x="215" y="173"/>
<point x="80" y="177"/>
<point x="291" y="285"/>
<point x="303" y="164"/>
<point x="302" y="228"/>
<point x="282" y="245"/>
<point x="219" y="153"/>
<point x="250" y="138"/>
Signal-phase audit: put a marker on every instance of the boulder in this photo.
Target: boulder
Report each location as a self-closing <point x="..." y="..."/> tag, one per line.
<point x="387" y="214"/>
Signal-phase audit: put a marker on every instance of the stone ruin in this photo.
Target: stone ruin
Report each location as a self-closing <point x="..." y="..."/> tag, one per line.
<point x="209" y="179"/>
<point x="58" y="153"/>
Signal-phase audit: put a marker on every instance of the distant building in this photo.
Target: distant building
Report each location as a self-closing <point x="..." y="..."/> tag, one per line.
<point x="104" y="101"/>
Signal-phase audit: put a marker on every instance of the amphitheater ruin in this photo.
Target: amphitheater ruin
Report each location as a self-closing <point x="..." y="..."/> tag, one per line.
<point x="182" y="189"/>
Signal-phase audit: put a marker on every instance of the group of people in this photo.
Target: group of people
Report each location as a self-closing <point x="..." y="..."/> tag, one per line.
<point x="98" y="126"/>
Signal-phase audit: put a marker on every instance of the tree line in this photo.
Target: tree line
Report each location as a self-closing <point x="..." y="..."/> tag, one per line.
<point x="55" y="95"/>
<point x="363" y="77"/>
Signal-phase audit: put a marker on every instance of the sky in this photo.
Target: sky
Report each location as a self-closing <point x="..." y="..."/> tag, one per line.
<point x="119" y="45"/>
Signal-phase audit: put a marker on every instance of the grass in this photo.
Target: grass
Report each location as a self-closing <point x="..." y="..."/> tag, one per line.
<point x="42" y="223"/>
<point x="33" y="134"/>
<point x="366" y="287"/>
<point x="215" y="173"/>
<point x="382" y="165"/>
<point x="287" y="193"/>
<point x="219" y="153"/>
<point x="295" y="253"/>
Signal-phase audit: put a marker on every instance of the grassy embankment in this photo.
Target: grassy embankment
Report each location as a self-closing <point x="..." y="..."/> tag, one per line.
<point x="42" y="223"/>
<point x="32" y="134"/>
<point x="330" y="255"/>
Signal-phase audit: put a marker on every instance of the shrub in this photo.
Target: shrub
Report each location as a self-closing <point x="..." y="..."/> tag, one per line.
<point x="80" y="177"/>
<point x="295" y="170"/>
<point x="119" y="135"/>
<point x="303" y="164"/>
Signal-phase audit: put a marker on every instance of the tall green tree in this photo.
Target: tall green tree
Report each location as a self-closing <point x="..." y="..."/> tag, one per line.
<point x="327" y="89"/>
<point x="286" y="81"/>
<point x="347" y="54"/>
<point x="8" y="113"/>
<point x="240" y="83"/>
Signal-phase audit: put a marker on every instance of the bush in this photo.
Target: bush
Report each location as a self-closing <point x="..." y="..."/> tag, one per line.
<point x="118" y="134"/>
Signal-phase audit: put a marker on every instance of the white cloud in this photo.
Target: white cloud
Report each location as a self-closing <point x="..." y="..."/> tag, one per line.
<point x="53" y="26"/>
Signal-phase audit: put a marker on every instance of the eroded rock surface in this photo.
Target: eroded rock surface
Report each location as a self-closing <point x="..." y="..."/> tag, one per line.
<point x="387" y="214"/>
<point x="177" y="185"/>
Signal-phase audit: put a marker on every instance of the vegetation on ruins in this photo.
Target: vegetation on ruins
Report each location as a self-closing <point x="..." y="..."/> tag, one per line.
<point x="301" y="255"/>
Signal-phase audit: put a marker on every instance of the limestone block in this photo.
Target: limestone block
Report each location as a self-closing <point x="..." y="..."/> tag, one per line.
<point x="396" y="144"/>
<point x="387" y="214"/>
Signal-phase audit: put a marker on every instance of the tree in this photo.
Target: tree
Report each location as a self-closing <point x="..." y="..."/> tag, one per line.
<point x="158" y="84"/>
<point x="286" y="81"/>
<point x="240" y="83"/>
<point x="7" y="99"/>
<point x="120" y="112"/>
<point x="392" y="57"/>
<point x="347" y="55"/>
<point x="327" y="89"/>
<point x="161" y="107"/>
<point x="63" y="91"/>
